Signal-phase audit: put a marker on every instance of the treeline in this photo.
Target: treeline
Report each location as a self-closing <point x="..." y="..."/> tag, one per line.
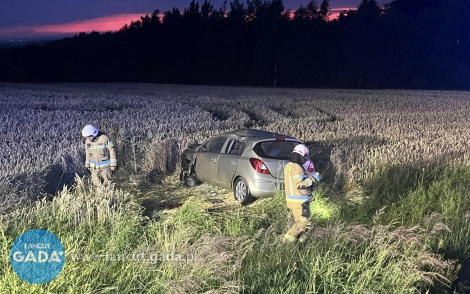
<point x="409" y="44"/>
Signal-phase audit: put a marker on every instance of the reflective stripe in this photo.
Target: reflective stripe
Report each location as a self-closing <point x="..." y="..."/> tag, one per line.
<point x="291" y="186"/>
<point x="309" y="182"/>
<point x="298" y="198"/>
<point x="97" y="147"/>
<point x="110" y="144"/>
<point x="113" y="160"/>
<point x="87" y="161"/>
<point x="100" y="164"/>
<point x="289" y="237"/>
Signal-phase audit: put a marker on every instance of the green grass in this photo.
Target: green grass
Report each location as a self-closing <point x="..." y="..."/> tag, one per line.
<point x="436" y="198"/>
<point x="405" y="237"/>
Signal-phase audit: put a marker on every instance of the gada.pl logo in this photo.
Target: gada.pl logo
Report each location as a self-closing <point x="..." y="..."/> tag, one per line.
<point x="37" y="256"/>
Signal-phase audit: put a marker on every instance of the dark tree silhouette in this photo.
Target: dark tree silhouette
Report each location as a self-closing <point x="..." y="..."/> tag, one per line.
<point x="419" y="44"/>
<point x="325" y="9"/>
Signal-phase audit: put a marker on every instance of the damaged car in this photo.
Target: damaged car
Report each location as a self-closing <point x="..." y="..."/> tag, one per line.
<point x="249" y="162"/>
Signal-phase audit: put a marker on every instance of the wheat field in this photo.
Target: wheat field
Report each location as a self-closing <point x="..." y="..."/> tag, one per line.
<point x="392" y="212"/>
<point x="350" y="132"/>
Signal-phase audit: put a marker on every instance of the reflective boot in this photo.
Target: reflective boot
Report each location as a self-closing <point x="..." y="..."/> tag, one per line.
<point x="288" y="239"/>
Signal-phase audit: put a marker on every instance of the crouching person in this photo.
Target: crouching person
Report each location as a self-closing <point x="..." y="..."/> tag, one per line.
<point x="298" y="184"/>
<point x="100" y="155"/>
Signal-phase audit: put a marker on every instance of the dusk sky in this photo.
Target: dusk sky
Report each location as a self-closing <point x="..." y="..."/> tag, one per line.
<point x="33" y="18"/>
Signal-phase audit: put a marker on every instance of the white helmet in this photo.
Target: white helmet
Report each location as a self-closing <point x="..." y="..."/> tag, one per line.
<point x="302" y="150"/>
<point x="89" y="130"/>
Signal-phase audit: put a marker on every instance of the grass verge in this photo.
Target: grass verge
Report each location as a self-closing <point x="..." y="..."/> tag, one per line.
<point x="409" y="235"/>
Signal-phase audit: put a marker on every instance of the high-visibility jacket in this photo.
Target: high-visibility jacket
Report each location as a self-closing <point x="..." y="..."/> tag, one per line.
<point x="297" y="185"/>
<point x="100" y="153"/>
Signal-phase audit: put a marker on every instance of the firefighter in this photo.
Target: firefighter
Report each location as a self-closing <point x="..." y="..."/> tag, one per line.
<point x="298" y="185"/>
<point x="100" y="155"/>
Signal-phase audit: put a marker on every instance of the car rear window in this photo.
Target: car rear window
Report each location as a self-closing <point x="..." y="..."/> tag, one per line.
<point x="275" y="149"/>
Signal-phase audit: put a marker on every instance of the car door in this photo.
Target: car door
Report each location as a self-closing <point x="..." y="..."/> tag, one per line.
<point x="227" y="163"/>
<point x="206" y="162"/>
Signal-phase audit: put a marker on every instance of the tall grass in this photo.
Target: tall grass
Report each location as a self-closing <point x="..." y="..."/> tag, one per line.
<point x="95" y="225"/>
<point x="424" y="197"/>
<point x="411" y="245"/>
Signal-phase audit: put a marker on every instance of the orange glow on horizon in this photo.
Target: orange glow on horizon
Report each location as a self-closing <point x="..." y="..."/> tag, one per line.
<point x="336" y="11"/>
<point x="333" y="13"/>
<point x="102" y="24"/>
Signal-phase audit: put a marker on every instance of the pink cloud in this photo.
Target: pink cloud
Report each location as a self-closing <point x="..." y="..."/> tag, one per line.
<point x="336" y="11"/>
<point x="102" y="24"/>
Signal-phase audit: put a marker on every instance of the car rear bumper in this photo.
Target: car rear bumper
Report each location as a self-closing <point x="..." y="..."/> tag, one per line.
<point x="264" y="187"/>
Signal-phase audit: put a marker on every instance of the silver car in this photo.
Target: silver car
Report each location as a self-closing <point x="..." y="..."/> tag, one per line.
<point x="250" y="162"/>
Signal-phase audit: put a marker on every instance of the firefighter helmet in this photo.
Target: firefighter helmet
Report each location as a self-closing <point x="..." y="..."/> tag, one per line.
<point x="89" y="130"/>
<point x="302" y="150"/>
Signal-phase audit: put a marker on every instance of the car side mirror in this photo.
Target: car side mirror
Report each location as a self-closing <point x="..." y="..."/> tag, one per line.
<point x="203" y="149"/>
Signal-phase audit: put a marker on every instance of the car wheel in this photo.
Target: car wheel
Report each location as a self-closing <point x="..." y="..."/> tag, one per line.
<point x="242" y="192"/>
<point x="190" y="181"/>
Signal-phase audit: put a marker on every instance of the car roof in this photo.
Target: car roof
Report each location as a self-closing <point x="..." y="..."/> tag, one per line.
<point x="257" y="135"/>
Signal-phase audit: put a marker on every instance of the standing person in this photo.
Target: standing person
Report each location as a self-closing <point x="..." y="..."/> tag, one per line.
<point x="298" y="184"/>
<point x="100" y="155"/>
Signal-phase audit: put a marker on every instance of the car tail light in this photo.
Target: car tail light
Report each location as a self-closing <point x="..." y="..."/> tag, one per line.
<point x="259" y="166"/>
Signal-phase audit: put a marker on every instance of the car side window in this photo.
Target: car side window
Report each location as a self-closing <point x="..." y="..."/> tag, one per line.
<point x="215" y="145"/>
<point x="235" y="147"/>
